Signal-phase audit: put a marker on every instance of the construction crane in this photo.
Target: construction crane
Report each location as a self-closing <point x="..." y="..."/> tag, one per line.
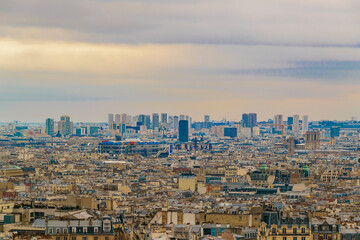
<point x="282" y="130"/>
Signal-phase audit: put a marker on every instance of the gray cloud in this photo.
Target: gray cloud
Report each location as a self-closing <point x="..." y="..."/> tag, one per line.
<point x="198" y="22"/>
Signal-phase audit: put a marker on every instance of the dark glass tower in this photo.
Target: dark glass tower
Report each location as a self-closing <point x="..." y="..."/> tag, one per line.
<point x="183" y="131"/>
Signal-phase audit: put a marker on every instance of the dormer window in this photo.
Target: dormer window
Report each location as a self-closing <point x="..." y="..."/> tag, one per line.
<point x="96" y="229"/>
<point x="107" y="225"/>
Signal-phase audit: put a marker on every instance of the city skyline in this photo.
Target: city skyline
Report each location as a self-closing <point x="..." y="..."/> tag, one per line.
<point x="193" y="57"/>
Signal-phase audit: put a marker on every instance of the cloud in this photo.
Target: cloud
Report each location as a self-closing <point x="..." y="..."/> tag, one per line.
<point x="220" y="57"/>
<point x="278" y="22"/>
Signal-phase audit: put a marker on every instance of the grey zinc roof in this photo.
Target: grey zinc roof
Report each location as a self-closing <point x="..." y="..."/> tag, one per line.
<point x="56" y="223"/>
<point x="39" y="223"/>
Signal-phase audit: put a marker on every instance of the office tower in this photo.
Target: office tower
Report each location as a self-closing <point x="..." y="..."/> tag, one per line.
<point x="305" y="123"/>
<point x="206" y="118"/>
<point x="290" y="122"/>
<point x="230" y="132"/>
<point x="296" y="124"/>
<point x="253" y="119"/>
<point x="249" y="119"/>
<point x="312" y="140"/>
<point x="183" y="131"/>
<point x="110" y="120"/>
<point x="147" y="121"/>
<point x="93" y="130"/>
<point x="124" y="118"/>
<point x="245" y="120"/>
<point x="141" y="120"/>
<point x="81" y="131"/>
<point x="155" y="121"/>
<point x="50" y="125"/>
<point x="182" y="117"/>
<point x="176" y="122"/>
<point x="117" y="119"/>
<point x="164" y="118"/>
<point x="278" y="120"/>
<point x="334" y="131"/>
<point x="291" y="146"/>
<point x="65" y="126"/>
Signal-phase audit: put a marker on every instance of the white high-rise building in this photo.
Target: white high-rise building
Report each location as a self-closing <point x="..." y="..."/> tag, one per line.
<point x="305" y="123"/>
<point x="110" y="120"/>
<point x="278" y="120"/>
<point x="124" y="119"/>
<point x="296" y="123"/>
<point x="117" y="119"/>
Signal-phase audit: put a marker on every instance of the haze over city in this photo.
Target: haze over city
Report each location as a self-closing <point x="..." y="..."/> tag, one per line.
<point x="223" y="58"/>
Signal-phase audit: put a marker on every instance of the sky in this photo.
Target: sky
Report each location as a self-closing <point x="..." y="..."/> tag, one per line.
<point x="88" y="58"/>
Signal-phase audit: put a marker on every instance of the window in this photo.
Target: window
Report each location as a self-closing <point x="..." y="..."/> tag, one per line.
<point x="325" y="236"/>
<point x="65" y="231"/>
<point x="274" y="238"/>
<point x="295" y="231"/>
<point x="58" y="230"/>
<point x="106" y="238"/>
<point x="302" y="238"/>
<point x="334" y="228"/>
<point x="74" y="230"/>
<point x="294" y="238"/>
<point x="73" y="238"/>
<point x="302" y="230"/>
<point x="284" y="230"/>
<point x="65" y="238"/>
<point x="284" y="238"/>
<point x="107" y="225"/>
<point x="96" y="230"/>
<point x="334" y="237"/>
<point x="84" y="238"/>
<point x="57" y="238"/>
<point x="95" y="238"/>
<point x="84" y="229"/>
<point x="316" y="237"/>
<point x="316" y="228"/>
<point x="50" y="230"/>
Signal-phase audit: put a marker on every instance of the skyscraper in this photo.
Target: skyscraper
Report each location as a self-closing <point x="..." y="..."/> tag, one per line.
<point x="334" y="131"/>
<point x="305" y="123"/>
<point x="296" y="124"/>
<point x="176" y="122"/>
<point x="50" y="125"/>
<point x="117" y="119"/>
<point x="164" y="118"/>
<point x="278" y="120"/>
<point x="141" y="120"/>
<point x="155" y="121"/>
<point x="147" y="121"/>
<point x="245" y="120"/>
<point x="290" y="122"/>
<point x="124" y="118"/>
<point x="183" y="131"/>
<point x="206" y="118"/>
<point x="253" y="119"/>
<point x="65" y="126"/>
<point x="249" y="119"/>
<point x="110" y="120"/>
